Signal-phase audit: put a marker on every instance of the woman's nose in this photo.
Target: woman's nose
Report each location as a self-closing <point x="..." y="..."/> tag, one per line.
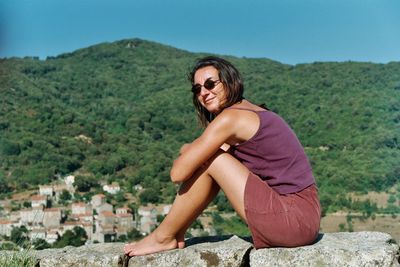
<point x="204" y="91"/>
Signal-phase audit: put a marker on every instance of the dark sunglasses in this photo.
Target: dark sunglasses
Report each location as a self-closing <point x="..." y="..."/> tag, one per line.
<point x="208" y="84"/>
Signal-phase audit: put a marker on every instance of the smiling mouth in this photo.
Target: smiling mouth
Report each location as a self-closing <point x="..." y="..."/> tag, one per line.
<point x="208" y="100"/>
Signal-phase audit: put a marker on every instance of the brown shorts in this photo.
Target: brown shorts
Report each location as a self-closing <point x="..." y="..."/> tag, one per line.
<point x="276" y="220"/>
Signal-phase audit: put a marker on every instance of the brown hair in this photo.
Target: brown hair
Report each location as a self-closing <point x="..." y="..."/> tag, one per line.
<point x="229" y="76"/>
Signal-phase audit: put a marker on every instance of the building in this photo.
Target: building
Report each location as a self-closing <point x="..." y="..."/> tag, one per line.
<point x="15" y="216"/>
<point x="84" y="217"/>
<point x="80" y="208"/>
<point x="38" y="201"/>
<point x="148" y="218"/>
<point x="37" y="233"/>
<point x="148" y="211"/>
<point x="123" y="210"/>
<point x="104" y="207"/>
<point x="6" y="227"/>
<point x="52" y="236"/>
<point x="32" y="216"/>
<point x="111" y="188"/>
<point x="98" y="200"/>
<point x="106" y="218"/>
<point x="70" y="225"/>
<point x="58" y="190"/>
<point x="124" y="222"/>
<point x="69" y="181"/>
<point x="52" y="218"/>
<point x="46" y="190"/>
<point x="165" y="209"/>
<point x="104" y="233"/>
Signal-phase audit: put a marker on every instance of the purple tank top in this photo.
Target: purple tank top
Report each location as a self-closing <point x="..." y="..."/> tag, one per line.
<point x="275" y="154"/>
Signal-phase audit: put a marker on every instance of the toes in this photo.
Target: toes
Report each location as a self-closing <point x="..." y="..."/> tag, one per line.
<point x="128" y="248"/>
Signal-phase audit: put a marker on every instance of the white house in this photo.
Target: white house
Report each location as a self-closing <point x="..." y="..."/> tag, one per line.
<point x="52" y="218"/>
<point x="122" y="210"/>
<point x="52" y="236"/>
<point x="46" y="190"/>
<point x="6" y="227"/>
<point x="37" y="233"/>
<point x="38" y="201"/>
<point x="148" y="218"/>
<point x="111" y="188"/>
<point x="31" y="216"/>
<point x="80" y="208"/>
<point x="69" y="181"/>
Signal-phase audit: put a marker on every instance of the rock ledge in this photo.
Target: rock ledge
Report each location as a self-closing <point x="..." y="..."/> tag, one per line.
<point x="331" y="249"/>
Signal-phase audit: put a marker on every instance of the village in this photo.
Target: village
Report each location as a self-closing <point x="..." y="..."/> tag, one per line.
<point x="101" y="221"/>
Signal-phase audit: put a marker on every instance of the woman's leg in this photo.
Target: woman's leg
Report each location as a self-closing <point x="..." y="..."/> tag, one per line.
<point x="195" y="194"/>
<point x="193" y="197"/>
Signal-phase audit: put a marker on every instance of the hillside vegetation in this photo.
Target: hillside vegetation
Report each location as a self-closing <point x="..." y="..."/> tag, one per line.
<point x="120" y="111"/>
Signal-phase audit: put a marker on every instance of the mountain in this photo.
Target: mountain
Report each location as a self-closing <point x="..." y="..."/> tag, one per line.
<point x="120" y="111"/>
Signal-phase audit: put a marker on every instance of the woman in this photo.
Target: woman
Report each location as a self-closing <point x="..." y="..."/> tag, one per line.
<point x="252" y="155"/>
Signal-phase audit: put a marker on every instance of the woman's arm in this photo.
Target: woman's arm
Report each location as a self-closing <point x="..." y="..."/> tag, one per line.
<point x="193" y="155"/>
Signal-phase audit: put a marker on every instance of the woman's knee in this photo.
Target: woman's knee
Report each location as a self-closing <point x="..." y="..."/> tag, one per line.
<point x="219" y="158"/>
<point x="222" y="161"/>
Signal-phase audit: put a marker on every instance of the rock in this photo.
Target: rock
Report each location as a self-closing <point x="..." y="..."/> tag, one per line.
<point x="331" y="249"/>
<point x="334" y="249"/>
<point x="95" y="255"/>
<point x="231" y="252"/>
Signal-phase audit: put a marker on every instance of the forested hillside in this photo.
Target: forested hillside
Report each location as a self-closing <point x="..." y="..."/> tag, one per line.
<point x="120" y="111"/>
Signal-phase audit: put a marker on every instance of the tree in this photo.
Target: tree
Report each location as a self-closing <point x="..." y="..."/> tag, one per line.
<point x="8" y="246"/>
<point x="19" y="235"/>
<point x="64" y="197"/>
<point x="149" y="196"/>
<point x="9" y="148"/>
<point x="134" y="234"/>
<point x="40" y="244"/>
<point x="4" y="188"/>
<point x="76" y="237"/>
<point x="85" y="183"/>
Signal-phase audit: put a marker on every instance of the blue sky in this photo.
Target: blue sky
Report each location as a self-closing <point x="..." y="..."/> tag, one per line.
<point x="289" y="31"/>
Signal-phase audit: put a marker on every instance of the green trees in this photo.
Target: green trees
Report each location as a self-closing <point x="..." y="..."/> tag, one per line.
<point x="85" y="183"/>
<point x="39" y="244"/>
<point x="76" y="237"/>
<point x="9" y="148"/>
<point x="112" y="111"/>
<point x="19" y="235"/>
<point x="64" y="197"/>
<point x="149" y="195"/>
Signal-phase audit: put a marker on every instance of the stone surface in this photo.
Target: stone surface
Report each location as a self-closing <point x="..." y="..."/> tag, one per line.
<point x="334" y="249"/>
<point x="96" y="255"/>
<point x="231" y="252"/>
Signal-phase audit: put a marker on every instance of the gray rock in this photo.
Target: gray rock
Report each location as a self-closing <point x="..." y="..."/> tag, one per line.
<point x="334" y="249"/>
<point x="231" y="252"/>
<point x="96" y="255"/>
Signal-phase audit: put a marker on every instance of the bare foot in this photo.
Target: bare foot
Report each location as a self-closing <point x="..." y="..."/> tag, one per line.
<point x="151" y="244"/>
<point x="180" y="238"/>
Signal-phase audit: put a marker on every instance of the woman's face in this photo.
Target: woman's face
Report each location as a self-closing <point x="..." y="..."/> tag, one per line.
<point x="212" y="99"/>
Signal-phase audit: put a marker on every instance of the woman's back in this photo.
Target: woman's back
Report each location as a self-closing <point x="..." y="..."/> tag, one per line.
<point x="274" y="152"/>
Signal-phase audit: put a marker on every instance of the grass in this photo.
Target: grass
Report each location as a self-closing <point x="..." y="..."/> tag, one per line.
<point x="18" y="259"/>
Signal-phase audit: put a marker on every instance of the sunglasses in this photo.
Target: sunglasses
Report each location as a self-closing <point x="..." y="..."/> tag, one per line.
<point x="208" y="84"/>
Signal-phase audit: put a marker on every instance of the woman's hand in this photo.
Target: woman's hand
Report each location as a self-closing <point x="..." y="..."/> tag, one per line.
<point x="194" y="155"/>
<point x="184" y="148"/>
